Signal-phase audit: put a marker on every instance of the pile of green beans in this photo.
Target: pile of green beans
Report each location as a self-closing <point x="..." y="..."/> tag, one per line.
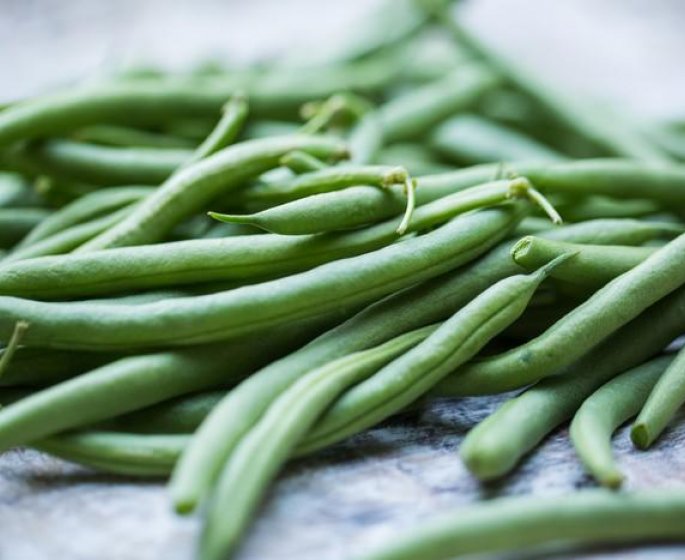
<point x="401" y="218"/>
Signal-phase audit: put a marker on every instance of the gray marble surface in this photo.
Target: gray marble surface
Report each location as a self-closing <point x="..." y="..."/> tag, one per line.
<point x="625" y="52"/>
<point x="331" y="506"/>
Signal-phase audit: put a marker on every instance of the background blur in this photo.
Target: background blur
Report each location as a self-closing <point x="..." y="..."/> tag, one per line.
<point x="624" y="51"/>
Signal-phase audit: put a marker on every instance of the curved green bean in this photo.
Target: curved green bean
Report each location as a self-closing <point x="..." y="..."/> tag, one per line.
<point x="620" y="301"/>
<point x="497" y="444"/>
<point x="662" y="404"/>
<point x="267" y="446"/>
<point x="513" y="524"/>
<point x="604" y="411"/>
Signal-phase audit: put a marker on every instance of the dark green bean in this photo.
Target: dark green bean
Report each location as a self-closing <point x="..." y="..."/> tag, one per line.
<point x="604" y="411"/>
<point x="662" y="405"/>
<point x="16" y="223"/>
<point x="497" y="444"/>
<point x="513" y="524"/>
<point x="620" y="301"/>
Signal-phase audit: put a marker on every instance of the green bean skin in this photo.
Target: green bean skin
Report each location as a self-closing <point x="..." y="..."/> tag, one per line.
<point x="404" y="380"/>
<point x="117" y="453"/>
<point x="247" y="257"/>
<point x="309" y="216"/>
<point x="138" y="381"/>
<point x="593" y="265"/>
<point x="92" y="164"/>
<point x="470" y="139"/>
<point x="301" y="162"/>
<point x="324" y="180"/>
<point x="496" y="445"/>
<point x="264" y="450"/>
<point x="513" y="524"/>
<point x="662" y="404"/>
<point x="611" y="177"/>
<point x="16" y="223"/>
<point x="620" y="301"/>
<point x="425" y="303"/>
<point x="84" y="209"/>
<point x="604" y="411"/>
<point x="68" y="239"/>
<point x="366" y="138"/>
<point x="414" y="113"/>
<point x="593" y="207"/>
<point x="343" y="284"/>
<point x="189" y="190"/>
<point x="128" y="137"/>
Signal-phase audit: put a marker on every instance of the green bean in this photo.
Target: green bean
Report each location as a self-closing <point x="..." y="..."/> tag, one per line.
<point x="118" y="453"/>
<point x="84" y="209"/>
<point x="180" y="415"/>
<point x="593" y="207"/>
<point x="134" y="382"/>
<point x="497" y="444"/>
<point x="416" y="158"/>
<point x="343" y="284"/>
<point x="16" y="223"/>
<point x="593" y="266"/>
<point x="99" y="165"/>
<point x="68" y="239"/>
<point x="225" y="132"/>
<point x="604" y="411"/>
<point x="301" y="162"/>
<point x="470" y="139"/>
<point x="12" y="345"/>
<point x="153" y="101"/>
<point x="16" y="192"/>
<point x="662" y="404"/>
<point x="366" y="138"/>
<point x="309" y="216"/>
<point x="128" y="137"/>
<point x="516" y="523"/>
<point x="416" y="112"/>
<point x="620" y="301"/>
<point x="246" y="257"/>
<point x="603" y="131"/>
<point x="404" y="380"/>
<point x="189" y="190"/>
<point x="325" y="180"/>
<point x="416" y="307"/>
<point x="262" y="452"/>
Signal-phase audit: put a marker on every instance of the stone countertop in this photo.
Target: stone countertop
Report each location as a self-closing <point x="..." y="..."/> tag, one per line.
<point x="358" y="494"/>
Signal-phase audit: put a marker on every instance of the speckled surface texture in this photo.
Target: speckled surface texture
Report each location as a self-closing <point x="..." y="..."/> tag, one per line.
<point x="337" y="504"/>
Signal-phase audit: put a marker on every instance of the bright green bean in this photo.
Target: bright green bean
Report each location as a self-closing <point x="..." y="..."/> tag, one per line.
<point x="187" y="191"/>
<point x="348" y="283"/>
<point x="513" y="524"/>
<point x="662" y="405"/>
<point x="620" y="301"/>
<point x="404" y="380"/>
<point x="604" y="411"/>
<point x="262" y="452"/>
<point x="496" y="445"/>
<point x="593" y="266"/>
